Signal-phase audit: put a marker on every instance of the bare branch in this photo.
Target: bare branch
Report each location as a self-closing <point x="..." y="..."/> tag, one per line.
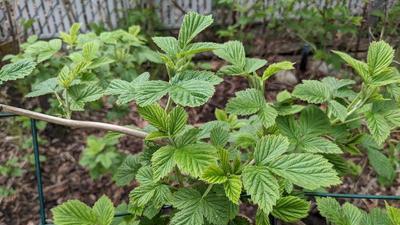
<point x="73" y="123"/>
<point x="176" y="4"/>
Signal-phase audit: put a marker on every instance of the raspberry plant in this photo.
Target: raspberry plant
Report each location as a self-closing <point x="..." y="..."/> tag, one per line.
<point x="101" y="155"/>
<point x="256" y="151"/>
<point x="84" y="68"/>
<point x="350" y="214"/>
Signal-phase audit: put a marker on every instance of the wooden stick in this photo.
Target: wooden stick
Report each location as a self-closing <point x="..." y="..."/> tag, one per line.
<point x="73" y="123"/>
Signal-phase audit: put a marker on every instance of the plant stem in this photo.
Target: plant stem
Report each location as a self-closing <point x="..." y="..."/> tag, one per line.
<point x="208" y="190"/>
<point x="251" y="162"/>
<point x="59" y="99"/>
<point x="169" y="104"/>
<point x="353" y="106"/>
<point x="67" y="107"/>
<point x="255" y="82"/>
<point x="358" y="101"/>
<point x="179" y="176"/>
<point x="351" y="120"/>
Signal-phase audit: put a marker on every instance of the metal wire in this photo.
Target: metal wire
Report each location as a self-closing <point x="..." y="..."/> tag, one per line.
<point x="122" y="214"/>
<point x="352" y="196"/>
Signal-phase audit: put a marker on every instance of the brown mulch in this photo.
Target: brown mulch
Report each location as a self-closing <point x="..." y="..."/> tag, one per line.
<point x="64" y="178"/>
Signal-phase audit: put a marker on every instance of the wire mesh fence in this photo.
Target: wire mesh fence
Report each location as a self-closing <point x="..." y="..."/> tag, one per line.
<point x="46" y="18"/>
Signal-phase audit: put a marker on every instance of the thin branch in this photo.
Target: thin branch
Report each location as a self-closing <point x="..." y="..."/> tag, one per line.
<point x="73" y="123"/>
<point x="176" y="4"/>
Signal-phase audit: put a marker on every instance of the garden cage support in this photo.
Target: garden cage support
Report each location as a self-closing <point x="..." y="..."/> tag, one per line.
<point x="42" y="209"/>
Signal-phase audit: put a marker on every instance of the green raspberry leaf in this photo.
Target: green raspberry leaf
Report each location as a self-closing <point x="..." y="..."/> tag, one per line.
<point x="246" y="102"/>
<point x="330" y="209"/>
<point x="193" y="23"/>
<point x="177" y="120"/>
<point x="381" y="164"/>
<point x="318" y="145"/>
<point x="267" y="115"/>
<point x="16" y="70"/>
<point x="194" y="207"/>
<point x="197" y="75"/>
<point x="168" y="44"/>
<point x="74" y="212"/>
<point x="269" y="147"/>
<point x="234" y="53"/>
<point x="306" y="170"/>
<point x="277" y="67"/>
<point x="380" y="56"/>
<point x="214" y="175"/>
<point x="83" y="93"/>
<point x="262" y="186"/>
<point x="359" y="66"/>
<point x="253" y="64"/>
<point x="191" y="92"/>
<point x="48" y="86"/>
<point x="378" y="126"/>
<point x="126" y="91"/>
<point x="156" y="116"/>
<point x="291" y="209"/>
<point x="194" y="159"/>
<point x="199" y="47"/>
<point x="151" y="91"/>
<point x="126" y="172"/>
<point x="104" y="210"/>
<point x="312" y="91"/>
<point x="338" y="110"/>
<point x="219" y="136"/>
<point x="233" y="188"/>
<point x="163" y="161"/>
<point x="394" y="214"/>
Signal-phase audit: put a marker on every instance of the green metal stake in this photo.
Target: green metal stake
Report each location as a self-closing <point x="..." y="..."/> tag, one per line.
<point x="5" y="115"/>
<point x="38" y="172"/>
<point x="352" y="196"/>
<point x="122" y="214"/>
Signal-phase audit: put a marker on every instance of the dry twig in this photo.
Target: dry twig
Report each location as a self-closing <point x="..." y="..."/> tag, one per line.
<point x="73" y="123"/>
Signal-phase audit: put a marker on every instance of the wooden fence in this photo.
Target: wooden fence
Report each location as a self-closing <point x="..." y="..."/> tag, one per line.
<point x="49" y="17"/>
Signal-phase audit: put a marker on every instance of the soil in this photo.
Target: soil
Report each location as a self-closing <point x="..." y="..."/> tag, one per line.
<point x="64" y="178"/>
